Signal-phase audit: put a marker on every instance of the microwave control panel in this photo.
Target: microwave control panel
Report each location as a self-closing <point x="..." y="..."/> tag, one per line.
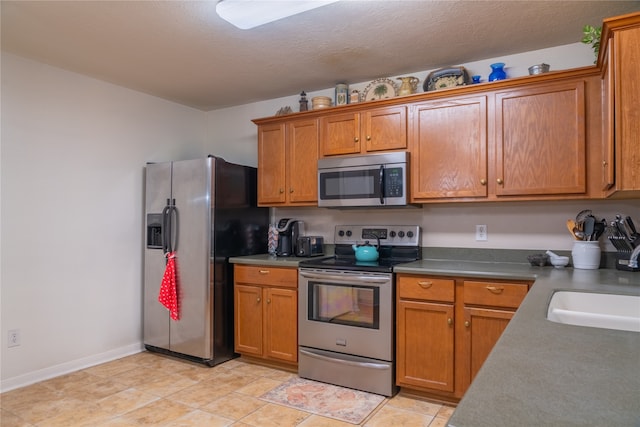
<point x="394" y="182"/>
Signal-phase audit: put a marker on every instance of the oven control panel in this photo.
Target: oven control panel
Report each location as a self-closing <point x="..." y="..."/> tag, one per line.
<point x="389" y="235"/>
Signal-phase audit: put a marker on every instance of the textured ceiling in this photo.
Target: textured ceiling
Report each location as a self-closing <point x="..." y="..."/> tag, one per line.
<point x="183" y="52"/>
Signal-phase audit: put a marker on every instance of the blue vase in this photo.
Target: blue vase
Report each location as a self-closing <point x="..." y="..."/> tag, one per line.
<point x="497" y="72"/>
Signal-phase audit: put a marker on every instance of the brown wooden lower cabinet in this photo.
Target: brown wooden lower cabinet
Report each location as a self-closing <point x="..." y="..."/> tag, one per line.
<point x="266" y="312"/>
<point x="446" y="327"/>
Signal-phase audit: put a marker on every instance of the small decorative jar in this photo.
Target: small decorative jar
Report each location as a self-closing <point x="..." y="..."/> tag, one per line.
<point x="409" y="85"/>
<point x="476" y="79"/>
<point x="354" y="98"/>
<point x="497" y="72"/>
<point x="304" y="104"/>
<point x="342" y="94"/>
<point x="586" y="254"/>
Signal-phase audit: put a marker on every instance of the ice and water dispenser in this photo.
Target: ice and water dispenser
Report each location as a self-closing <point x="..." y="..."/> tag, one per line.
<point x="154" y="231"/>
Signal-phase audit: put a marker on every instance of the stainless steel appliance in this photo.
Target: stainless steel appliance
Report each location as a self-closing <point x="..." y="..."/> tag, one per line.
<point x="346" y="310"/>
<point x="204" y="210"/>
<point x="369" y="180"/>
<point x="310" y="246"/>
<point x="288" y="232"/>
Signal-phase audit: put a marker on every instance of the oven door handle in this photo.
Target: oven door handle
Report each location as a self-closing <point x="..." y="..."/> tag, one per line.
<point x="349" y="279"/>
<point x="345" y="362"/>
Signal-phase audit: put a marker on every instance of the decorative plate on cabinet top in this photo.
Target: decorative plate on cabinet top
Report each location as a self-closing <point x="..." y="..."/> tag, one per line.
<point x="380" y="89"/>
<point x="446" y="78"/>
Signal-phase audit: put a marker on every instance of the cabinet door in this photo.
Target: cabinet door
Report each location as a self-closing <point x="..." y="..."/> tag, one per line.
<point x="302" y="163"/>
<point x="540" y="140"/>
<point x="425" y="345"/>
<point x="483" y="328"/>
<point x="626" y="54"/>
<point x="449" y="149"/>
<point x="385" y="129"/>
<point x="281" y="318"/>
<point x="340" y="134"/>
<point x="608" y="138"/>
<point x="271" y="164"/>
<point x="248" y="319"/>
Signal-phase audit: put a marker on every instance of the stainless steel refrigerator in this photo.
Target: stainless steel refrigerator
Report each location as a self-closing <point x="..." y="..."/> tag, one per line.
<point x="206" y="211"/>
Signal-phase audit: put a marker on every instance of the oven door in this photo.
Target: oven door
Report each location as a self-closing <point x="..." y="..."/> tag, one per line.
<point x="347" y="312"/>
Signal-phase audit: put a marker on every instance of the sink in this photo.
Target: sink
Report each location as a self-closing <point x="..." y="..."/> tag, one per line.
<point x="596" y="310"/>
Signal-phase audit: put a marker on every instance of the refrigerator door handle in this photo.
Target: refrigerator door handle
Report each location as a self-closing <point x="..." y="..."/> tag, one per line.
<point x="173" y="220"/>
<point x="166" y="229"/>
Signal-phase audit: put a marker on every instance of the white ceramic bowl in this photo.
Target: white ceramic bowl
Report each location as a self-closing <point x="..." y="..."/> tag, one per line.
<point x="559" y="261"/>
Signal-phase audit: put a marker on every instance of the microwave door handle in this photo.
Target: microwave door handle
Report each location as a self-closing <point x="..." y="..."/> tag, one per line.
<point x="381" y="182"/>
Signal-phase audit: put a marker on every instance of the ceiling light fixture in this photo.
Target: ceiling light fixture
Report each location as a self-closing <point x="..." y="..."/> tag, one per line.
<point x="246" y="14"/>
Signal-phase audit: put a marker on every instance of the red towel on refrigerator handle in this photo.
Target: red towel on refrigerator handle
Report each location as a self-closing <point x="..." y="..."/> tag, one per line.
<point x="169" y="288"/>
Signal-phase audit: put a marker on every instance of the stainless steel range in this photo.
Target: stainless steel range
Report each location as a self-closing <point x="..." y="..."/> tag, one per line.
<point x="346" y="313"/>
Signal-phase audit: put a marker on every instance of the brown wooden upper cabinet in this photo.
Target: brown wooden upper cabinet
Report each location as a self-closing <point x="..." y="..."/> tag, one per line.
<point x="370" y="130"/>
<point x="620" y="62"/>
<point x="288" y="163"/>
<point x="449" y="148"/>
<point x="524" y="143"/>
<point x="540" y="144"/>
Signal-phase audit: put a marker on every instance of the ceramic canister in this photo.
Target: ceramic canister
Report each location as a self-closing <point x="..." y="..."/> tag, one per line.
<point x="342" y="94"/>
<point x="586" y="255"/>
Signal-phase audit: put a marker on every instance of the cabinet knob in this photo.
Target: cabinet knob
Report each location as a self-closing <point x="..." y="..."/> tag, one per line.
<point x="604" y="163"/>
<point x="281" y="191"/>
<point x="356" y="139"/>
<point x="268" y="300"/>
<point x="368" y="137"/>
<point x="263" y="271"/>
<point x="483" y="181"/>
<point x="291" y="190"/>
<point x="495" y="289"/>
<point x="258" y="299"/>
<point x="499" y="180"/>
<point x="449" y="321"/>
<point x="425" y="284"/>
<point x="467" y="323"/>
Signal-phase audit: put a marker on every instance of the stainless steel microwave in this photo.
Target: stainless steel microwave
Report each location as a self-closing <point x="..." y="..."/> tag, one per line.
<point x="363" y="180"/>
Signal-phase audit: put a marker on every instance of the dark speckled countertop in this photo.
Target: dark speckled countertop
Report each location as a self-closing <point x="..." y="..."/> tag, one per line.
<point x="542" y="373"/>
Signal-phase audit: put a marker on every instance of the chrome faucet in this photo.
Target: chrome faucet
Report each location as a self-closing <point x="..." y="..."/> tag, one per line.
<point x="633" y="260"/>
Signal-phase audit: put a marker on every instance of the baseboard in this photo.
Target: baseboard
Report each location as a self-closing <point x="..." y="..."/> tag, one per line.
<point x="67" y="367"/>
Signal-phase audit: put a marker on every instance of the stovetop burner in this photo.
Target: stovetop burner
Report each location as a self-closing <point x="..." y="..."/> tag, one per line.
<point x="398" y="244"/>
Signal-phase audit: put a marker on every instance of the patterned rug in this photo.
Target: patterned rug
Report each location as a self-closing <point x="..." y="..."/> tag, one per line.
<point x="328" y="400"/>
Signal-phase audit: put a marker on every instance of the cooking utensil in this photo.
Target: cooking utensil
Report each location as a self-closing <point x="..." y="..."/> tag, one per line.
<point x="598" y="229"/>
<point x="571" y="226"/>
<point x="582" y="215"/>
<point x="589" y="223"/>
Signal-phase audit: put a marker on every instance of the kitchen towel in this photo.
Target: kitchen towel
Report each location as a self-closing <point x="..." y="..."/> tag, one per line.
<point x="169" y="288"/>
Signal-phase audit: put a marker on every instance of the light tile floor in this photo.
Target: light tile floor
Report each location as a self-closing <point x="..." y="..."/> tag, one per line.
<point x="150" y="389"/>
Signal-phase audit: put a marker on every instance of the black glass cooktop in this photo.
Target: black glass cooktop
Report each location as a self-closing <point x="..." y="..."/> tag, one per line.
<point x="388" y="259"/>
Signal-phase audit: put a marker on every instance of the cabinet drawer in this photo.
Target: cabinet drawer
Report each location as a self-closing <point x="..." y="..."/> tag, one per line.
<point x="425" y="288"/>
<point x="496" y="294"/>
<point x="264" y="275"/>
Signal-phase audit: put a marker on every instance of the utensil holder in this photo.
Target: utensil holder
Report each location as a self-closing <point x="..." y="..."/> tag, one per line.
<point x="586" y="255"/>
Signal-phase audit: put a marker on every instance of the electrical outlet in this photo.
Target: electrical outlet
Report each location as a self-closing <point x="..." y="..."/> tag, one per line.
<point x="13" y="338"/>
<point x="481" y="233"/>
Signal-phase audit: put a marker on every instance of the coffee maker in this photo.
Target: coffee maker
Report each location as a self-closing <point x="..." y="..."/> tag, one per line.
<point x="288" y="232"/>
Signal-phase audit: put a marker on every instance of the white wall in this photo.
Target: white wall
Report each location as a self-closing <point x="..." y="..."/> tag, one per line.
<point x="73" y="151"/>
